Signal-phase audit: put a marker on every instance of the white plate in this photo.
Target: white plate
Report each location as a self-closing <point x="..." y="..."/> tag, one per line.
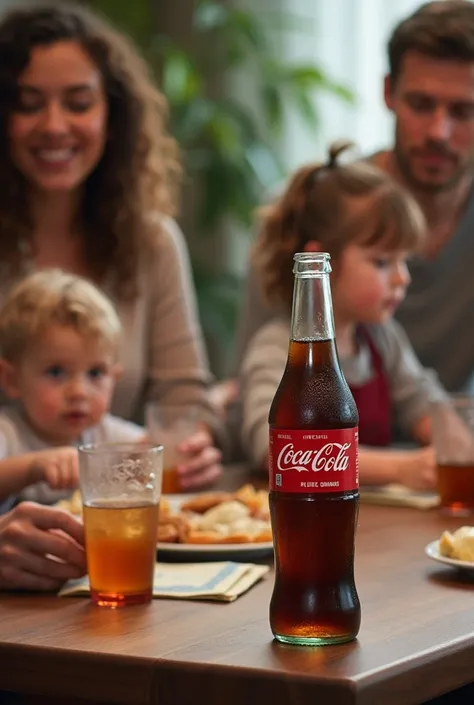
<point x="215" y="551"/>
<point x="211" y="551"/>
<point x="432" y="551"/>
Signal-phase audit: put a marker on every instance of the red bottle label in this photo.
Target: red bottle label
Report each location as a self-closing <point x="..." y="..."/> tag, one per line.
<point x="314" y="461"/>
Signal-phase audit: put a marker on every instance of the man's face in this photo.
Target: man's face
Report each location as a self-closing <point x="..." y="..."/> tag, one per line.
<point x="433" y="104"/>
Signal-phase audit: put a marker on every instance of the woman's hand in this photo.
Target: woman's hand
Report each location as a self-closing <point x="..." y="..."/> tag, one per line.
<point x="40" y="548"/>
<point x="201" y="465"/>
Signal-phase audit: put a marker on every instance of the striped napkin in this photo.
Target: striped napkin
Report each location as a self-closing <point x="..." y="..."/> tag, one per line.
<point x="395" y="495"/>
<point x="221" y="581"/>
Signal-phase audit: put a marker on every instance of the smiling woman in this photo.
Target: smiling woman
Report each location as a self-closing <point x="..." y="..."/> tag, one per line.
<point x="59" y="124"/>
<point x="88" y="184"/>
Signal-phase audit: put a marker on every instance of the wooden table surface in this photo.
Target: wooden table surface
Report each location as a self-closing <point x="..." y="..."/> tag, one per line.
<point x="416" y="639"/>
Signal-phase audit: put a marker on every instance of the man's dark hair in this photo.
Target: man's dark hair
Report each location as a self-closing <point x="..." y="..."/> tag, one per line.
<point x="443" y="29"/>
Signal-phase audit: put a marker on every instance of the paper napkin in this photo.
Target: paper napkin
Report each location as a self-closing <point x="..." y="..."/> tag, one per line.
<point x="395" y="495"/>
<point x="222" y="581"/>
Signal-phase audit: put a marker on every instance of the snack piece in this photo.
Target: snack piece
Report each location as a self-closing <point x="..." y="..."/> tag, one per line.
<point x="250" y="525"/>
<point x="167" y="533"/>
<point x="205" y="501"/>
<point x="241" y="517"/>
<point x="237" y="538"/>
<point x="196" y="536"/>
<point x="263" y="535"/>
<point x="458" y="545"/>
<point x="180" y="524"/>
<point x="245" y="494"/>
<point x="165" y="506"/>
<point x="263" y="510"/>
<point x="255" y="500"/>
<point x="225" y="513"/>
<point x="72" y="504"/>
<point x="228" y="522"/>
<point x="446" y="545"/>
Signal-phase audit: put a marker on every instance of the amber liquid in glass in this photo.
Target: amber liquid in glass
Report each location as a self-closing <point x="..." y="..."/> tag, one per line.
<point x="456" y="488"/>
<point x="120" y="539"/>
<point x="170" y="481"/>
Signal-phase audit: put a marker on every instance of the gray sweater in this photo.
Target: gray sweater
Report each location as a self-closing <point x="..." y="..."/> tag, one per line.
<point x="412" y="387"/>
<point x="438" y="312"/>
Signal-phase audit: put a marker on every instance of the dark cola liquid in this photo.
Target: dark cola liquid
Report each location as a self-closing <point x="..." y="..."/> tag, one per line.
<point x="314" y="600"/>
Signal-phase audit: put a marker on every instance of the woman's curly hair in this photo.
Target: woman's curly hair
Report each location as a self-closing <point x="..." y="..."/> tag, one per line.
<point x="139" y="172"/>
<point x="334" y="204"/>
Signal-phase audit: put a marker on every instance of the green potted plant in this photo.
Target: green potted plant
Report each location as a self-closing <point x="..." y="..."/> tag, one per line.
<point x="230" y="135"/>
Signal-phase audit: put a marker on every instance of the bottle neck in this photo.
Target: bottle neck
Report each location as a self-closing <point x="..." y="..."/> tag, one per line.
<point x="312" y="316"/>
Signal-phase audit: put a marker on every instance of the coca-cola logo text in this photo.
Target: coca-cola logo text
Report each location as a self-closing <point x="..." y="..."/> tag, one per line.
<point x="332" y="456"/>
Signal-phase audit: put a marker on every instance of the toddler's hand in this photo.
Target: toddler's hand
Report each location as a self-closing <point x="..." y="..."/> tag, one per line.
<point x="59" y="467"/>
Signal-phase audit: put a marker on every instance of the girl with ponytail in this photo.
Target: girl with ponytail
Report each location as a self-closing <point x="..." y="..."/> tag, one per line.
<point x="369" y="225"/>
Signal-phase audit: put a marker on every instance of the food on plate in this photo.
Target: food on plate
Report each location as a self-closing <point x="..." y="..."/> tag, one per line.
<point x="208" y="517"/>
<point x="232" y="518"/>
<point x="255" y="500"/>
<point x="225" y="514"/>
<point x="165" y="506"/>
<point x="458" y="545"/>
<point x="167" y="533"/>
<point x="207" y="500"/>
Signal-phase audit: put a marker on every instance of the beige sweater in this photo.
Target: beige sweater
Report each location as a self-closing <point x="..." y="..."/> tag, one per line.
<point x="163" y="352"/>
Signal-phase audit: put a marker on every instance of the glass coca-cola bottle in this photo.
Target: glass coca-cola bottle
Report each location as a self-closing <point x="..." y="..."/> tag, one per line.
<point x="313" y="465"/>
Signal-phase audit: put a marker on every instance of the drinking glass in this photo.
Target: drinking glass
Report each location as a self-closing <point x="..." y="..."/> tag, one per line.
<point x="120" y="487"/>
<point x="169" y="426"/>
<point x="453" y="440"/>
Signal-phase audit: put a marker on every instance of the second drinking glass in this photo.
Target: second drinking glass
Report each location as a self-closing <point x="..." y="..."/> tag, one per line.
<point x="169" y="426"/>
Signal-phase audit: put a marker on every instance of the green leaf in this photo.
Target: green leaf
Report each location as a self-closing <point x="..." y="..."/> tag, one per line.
<point x="210" y="15"/>
<point x="308" y="78"/>
<point x="180" y="80"/>
<point x="229" y="186"/>
<point x="306" y="75"/>
<point x="305" y="107"/>
<point x="272" y="105"/>
<point x="247" y="26"/>
<point x="285" y="22"/>
<point x="190" y="120"/>
<point x="224" y="133"/>
<point x="215" y="195"/>
<point x="218" y="296"/>
<point x="341" y="92"/>
<point x="242" y="115"/>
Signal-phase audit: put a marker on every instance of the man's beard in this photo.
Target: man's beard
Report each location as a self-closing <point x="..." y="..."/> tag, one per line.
<point x="430" y="187"/>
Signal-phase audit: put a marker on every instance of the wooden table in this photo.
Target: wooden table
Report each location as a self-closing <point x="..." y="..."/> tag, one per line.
<point x="416" y="640"/>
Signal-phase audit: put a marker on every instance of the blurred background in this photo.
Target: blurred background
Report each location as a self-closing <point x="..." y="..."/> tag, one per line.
<point x="256" y="88"/>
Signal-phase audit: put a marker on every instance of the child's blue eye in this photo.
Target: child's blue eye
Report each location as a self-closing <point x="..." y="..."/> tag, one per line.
<point x="55" y="371"/>
<point x="96" y="372"/>
<point x="381" y="262"/>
